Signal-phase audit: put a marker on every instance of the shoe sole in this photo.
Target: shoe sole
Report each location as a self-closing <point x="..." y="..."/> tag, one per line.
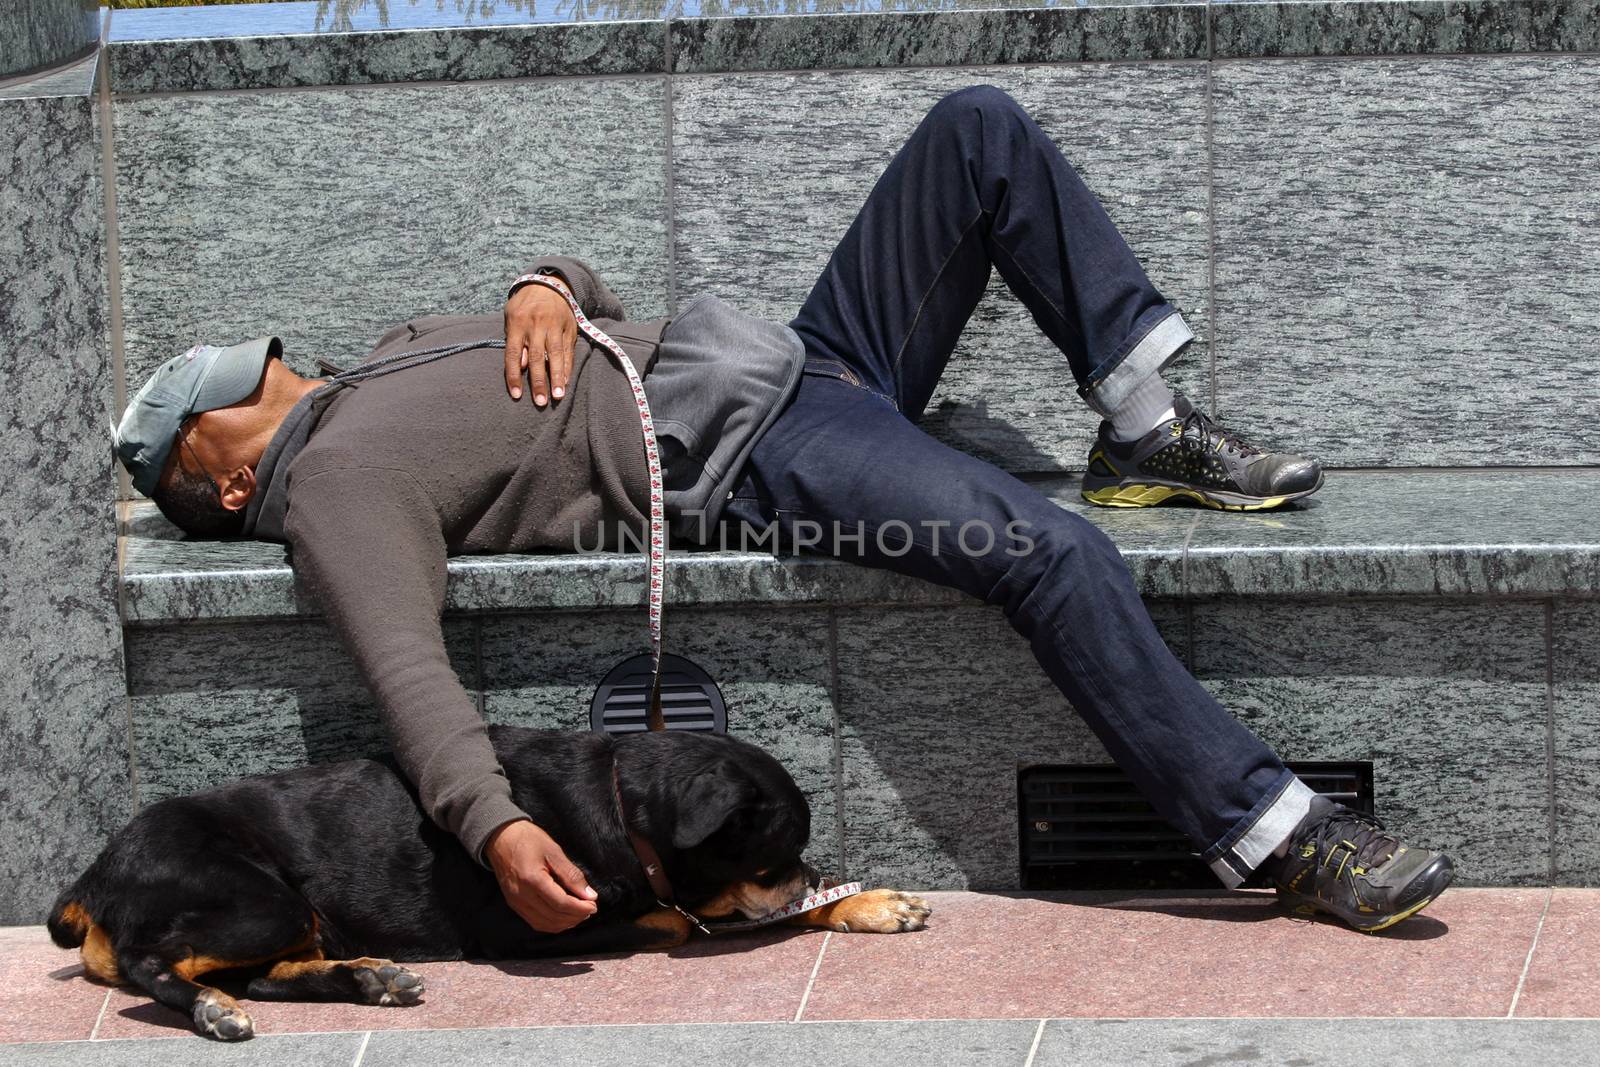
<point x="1137" y="494"/>
<point x="1438" y="876"/>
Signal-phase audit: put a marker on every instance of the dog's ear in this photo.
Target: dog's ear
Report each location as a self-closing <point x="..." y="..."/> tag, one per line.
<point x="706" y="802"/>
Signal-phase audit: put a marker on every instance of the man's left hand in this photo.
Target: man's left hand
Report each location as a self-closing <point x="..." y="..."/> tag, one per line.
<point x="540" y="332"/>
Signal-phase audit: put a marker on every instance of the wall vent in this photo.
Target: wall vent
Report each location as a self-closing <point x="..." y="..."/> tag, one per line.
<point x="1085" y="826"/>
<point x="690" y="700"/>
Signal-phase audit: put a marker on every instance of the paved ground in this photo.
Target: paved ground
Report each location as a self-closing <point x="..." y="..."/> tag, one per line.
<point x="1486" y="975"/>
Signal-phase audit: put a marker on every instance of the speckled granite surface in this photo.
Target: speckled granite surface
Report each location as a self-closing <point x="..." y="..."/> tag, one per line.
<point x="167" y="579"/>
<point x="405" y="56"/>
<point x="328" y="216"/>
<point x="42" y="33"/>
<point x="1575" y="671"/>
<point x="1044" y="34"/>
<point x="937" y="711"/>
<point x="1447" y="700"/>
<point x="76" y="79"/>
<point x="1424" y="534"/>
<point x="772" y="667"/>
<point x="1136" y="133"/>
<point x="1440" y="534"/>
<point x="357" y="41"/>
<point x="1403" y="27"/>
<point x="63" y="737"/>
<point x="289" y="696"/>
<point x="1407" y="259"/>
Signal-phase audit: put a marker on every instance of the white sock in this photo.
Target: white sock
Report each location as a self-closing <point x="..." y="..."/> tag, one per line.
<point x="1148" y="406"/>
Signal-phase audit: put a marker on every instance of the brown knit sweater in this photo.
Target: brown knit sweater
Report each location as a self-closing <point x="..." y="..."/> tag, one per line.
<point x="404" y="470"/>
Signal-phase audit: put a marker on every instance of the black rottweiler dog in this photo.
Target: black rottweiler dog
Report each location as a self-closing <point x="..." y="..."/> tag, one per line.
<point x="311" y="884"/>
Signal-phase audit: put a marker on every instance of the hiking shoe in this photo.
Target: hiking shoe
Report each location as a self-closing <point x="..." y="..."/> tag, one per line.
<point x="1344" y="863"/>
<point x="1191" y="456"/>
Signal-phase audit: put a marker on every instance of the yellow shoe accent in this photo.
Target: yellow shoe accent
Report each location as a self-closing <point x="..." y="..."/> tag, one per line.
<point x="1144" y="496"/>
<point x="1396" y="918"/>
<point x="1131" y="496"/>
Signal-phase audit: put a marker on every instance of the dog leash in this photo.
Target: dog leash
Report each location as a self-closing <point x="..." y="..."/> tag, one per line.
<point x="643" y="850"/>
<point x="658" y="538"/>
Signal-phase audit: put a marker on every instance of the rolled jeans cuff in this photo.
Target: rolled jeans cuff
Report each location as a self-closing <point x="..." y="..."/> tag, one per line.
<point x="1112" y="383"/>
<point x="1266" y="827"/>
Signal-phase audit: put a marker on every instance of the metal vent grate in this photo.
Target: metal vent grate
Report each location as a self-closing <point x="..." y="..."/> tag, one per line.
<point x="690" y="700"/>
<point x="1087" y="827"/>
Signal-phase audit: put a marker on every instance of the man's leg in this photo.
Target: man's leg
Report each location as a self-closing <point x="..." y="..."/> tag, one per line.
<point x="839" y="459"/>
<point x="978" y="186"/>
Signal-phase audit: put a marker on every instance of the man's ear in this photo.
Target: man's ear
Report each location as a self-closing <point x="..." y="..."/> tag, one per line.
<point x="706" y="802"/>
<point x="238" y="490"/>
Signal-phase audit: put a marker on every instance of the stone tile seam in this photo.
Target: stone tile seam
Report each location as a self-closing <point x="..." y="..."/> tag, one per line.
<point x="361" y="1052"/>
<point x="838" y="741"/>
<point x="1211" y="214"/>
<point x="816" y="968"/>
<point x="669" y="192"/>
<point x="1550" y="730"/>
<point x="98" y="1019"/>
<point x="1033" y="1049"/>
<point x="1533" y="946"/>
<point x="480" y="682"/>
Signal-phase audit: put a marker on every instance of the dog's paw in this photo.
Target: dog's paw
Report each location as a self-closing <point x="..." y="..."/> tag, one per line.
<point x="880" y="911"/>
<point x="386" y="983"/>
<point x="219" y="1015"/>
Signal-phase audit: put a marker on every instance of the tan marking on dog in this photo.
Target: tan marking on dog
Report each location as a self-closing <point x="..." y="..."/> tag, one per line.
<point x="76" y="918"/>
<point x="673" y="927"/>
<point x="201" y="964"/>
<point x="751" y="899"/>
<point x="310" y="962"/>
<point x="877" y="911"/>
<point x="99" y="958"/>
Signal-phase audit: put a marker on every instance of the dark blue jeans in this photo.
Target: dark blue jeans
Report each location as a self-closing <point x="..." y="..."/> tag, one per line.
<point x="980" y="185"/>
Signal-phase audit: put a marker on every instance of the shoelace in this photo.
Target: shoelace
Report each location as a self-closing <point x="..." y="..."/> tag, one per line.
<point x="1206" y="430"/>
<point x="1368" y="845"/>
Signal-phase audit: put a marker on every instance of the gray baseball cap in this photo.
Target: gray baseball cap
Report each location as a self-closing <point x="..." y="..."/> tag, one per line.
<point x="202" y="379"/>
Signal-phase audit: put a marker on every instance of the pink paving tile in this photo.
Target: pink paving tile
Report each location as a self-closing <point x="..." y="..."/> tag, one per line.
<point x="46" y="997"/>
<point x="1564" y="975"/>
<point x="753" y="978"/>
<point x="1080" y="955"/>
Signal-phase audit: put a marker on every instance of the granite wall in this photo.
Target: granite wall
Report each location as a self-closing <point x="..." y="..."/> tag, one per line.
<point x="64" y="733"/>
<point x="1377" y="216"/>
<point x="39" y="34"/>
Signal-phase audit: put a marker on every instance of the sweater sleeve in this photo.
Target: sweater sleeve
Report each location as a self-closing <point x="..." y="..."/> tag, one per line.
<point x="594" y="296"/>
<point x="367" y="544"/>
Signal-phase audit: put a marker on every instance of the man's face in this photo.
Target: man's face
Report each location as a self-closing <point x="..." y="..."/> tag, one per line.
<point x="183" y="455"/>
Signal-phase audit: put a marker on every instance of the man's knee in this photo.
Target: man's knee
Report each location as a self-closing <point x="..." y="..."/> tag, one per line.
<point x="976" y="102"/>
<point x="1048" y="545"/>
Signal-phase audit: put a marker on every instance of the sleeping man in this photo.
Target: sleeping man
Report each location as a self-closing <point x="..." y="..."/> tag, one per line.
<point x="513" y="433"/>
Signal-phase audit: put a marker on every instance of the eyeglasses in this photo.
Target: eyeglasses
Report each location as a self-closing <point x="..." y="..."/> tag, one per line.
<point x="183" y="437"/>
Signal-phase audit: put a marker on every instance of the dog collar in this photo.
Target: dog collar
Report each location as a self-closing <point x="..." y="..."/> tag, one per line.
<point x="648" y="858"/>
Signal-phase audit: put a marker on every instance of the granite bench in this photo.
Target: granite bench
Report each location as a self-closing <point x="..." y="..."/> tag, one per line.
<point x="1364" y="208"/>
<point x="1408" y="618"/>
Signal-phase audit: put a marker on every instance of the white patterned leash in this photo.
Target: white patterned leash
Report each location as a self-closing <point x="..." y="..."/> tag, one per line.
<point x="788" y="911"/>
<point x="658" y="536"/>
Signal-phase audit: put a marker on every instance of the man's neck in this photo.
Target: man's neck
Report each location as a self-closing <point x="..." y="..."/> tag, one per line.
<point x="281" y="390"/>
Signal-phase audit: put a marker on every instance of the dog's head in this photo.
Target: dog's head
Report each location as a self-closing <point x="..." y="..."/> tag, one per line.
<point x="729" y="822"/>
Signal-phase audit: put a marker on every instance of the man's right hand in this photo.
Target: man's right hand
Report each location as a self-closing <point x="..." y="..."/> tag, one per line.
<point x="538" y="881"/>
